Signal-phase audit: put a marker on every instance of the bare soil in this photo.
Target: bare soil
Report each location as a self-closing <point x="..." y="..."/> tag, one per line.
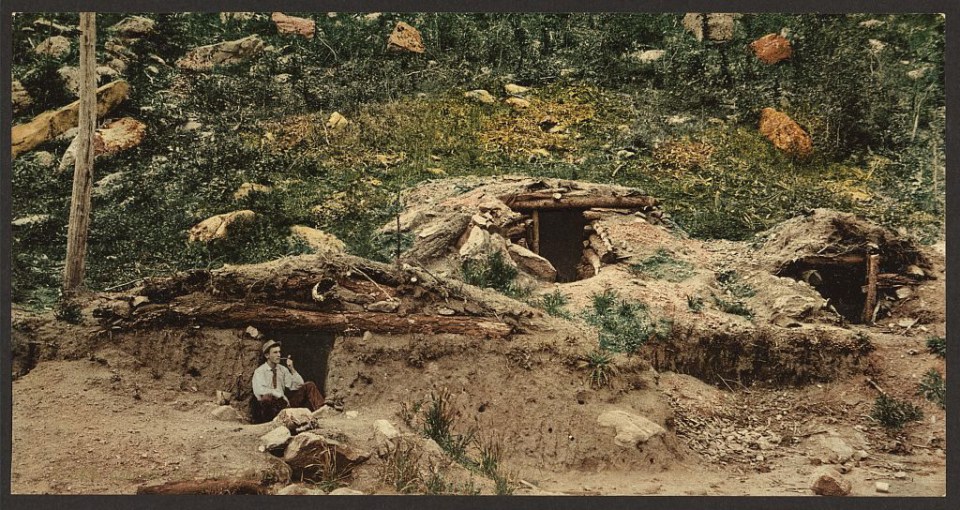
<point x="100" y="410"/>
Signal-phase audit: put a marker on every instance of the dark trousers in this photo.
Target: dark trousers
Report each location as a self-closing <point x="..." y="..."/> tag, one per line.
<point x="308" y="396"/>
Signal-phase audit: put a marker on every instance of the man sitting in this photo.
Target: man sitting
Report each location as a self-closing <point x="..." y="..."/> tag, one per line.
<point x="276" y="386"/>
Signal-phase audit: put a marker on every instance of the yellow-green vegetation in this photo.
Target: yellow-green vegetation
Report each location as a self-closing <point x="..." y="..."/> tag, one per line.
<point x="663" y="265"/>
<point x="682" y="128"/>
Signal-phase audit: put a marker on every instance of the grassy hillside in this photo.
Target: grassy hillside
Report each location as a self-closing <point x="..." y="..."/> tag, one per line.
<point x="682" y="127"/>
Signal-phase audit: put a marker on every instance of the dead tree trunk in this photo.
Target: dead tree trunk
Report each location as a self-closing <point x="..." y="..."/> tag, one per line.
<point x="83" y="170"/>
<point x="873" y="264"/>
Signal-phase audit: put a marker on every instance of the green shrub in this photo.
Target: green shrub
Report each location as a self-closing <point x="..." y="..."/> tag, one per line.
<point x="554" y="303"/>
<point x="695" y="303"/>
<point x="492" y="272"/>
<point x="937" y="345"/>
<point x="735" y="307"/>
<point x="933" y="387"/>
<point x="602" y="369"/>
<point x="624" y="325"/>
<point x="894" y="414"/>
<point x="732" y="283"/>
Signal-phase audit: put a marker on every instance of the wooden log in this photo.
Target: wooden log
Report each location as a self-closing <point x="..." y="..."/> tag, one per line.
<point x="547" y="200"/>
<point x="48" y="125"/>
<point x="847" y="259"/>
<point x="536" y="233"/>
<point x="208" y="486"/>
<point x="201" y="309"/>
<point x="873" y="265"/>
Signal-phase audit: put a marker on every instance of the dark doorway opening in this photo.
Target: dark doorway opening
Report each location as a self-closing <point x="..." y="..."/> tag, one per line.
<point x="842" y="284"/>
<point x="560" y="239"/>
<point x="310" y="352"/>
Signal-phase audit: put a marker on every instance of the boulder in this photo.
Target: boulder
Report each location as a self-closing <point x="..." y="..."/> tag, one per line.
<point x="217" y="227"/>
<point x="405" y="38"/>
<point x="56" y="47"/>
<point x="648" y="56"/>
<point x="882" y="487"/>
<point x="275" y="439"/>
<point x="134" y="26"/>
<point x="337" y="121"/>
<point x="476" y="243"/>
<point x="293" y="25"/>
<point x="532" y="263"/>
<point x="835" y="449"/>
<point x="226" y="17"/>
<point x="480" y="96"/>
<point x="293" y="417"/>
<point x="346" y="491"/>
<point x="515" y="90"/>
<point x="19" y="96"/>
<point x="828" y="482"/>
<point x="250" y="187"/>
<point x="308" y="452"/>
<point x="50" y="124"/>
<point x="226" y="413"/>
<point x="116" y="136"/>
<point x="225" y="53"/>
<point x="717" y="27"/>
<point x="785" y="134"/>
<point x="318" y="240"/>
<point x="517" y="103"/>
<point x="298" y="489"/>
<point x="772" y="48"/>
<point x="33" y="219"/>
<point x="103" y="186"/>
<point x="632" y="430"/>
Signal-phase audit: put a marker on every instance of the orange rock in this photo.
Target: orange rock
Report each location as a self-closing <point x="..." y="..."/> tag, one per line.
<point x="785" y="134"/>
<point x="405" y="38"/>
<point x="293" y="25"/>
<point x="772" y="48"/>
<point x="119" y="135"/>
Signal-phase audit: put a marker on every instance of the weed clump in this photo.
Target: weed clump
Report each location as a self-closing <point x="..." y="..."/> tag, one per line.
<point x="893" y="414"/>
<point x="602" y="369"/>
<point x="735" y="307"/>
<point x="933" y="387"/>
<point x="493" y="272"/>
<point x="662" y="265"/>
<point x="554" y="303"/>
<point x="624" y="325"/>
<point x="937" y="345"/>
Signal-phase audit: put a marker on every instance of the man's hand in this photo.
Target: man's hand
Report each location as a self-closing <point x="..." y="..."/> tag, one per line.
<point x="290" y="364"/>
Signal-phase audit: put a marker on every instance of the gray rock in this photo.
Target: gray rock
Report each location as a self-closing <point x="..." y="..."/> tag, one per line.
<point x="134" y="26"/>
<point x="57" y="47"/>
<point x="19" y="96"/>
<point x="274" y="439"/>
<point x="344" y="491"/>
<point x="297" y="489"/>
<point x="836" y="449"/>
<point x="631" y="429"/>
<point x="293" y="417"/>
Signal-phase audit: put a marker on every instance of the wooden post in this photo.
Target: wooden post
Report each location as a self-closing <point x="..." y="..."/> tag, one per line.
<point x="536" y="231"/>
<point x="873" y="265"/>
<point x="83" y="169"/>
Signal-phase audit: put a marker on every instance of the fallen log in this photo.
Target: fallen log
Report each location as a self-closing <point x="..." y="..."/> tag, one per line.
<point x="208" y="486"/>
<point x="204" y="310"/>
<point x="50" y="124"/>
<point x="550" y="200"/>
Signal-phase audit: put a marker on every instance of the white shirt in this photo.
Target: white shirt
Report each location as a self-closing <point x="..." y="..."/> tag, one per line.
<point x="263" y="381"/>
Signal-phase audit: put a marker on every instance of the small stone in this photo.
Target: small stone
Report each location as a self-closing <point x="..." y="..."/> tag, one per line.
<point x="293" y="417"/>
<point x="515" y="90"/>
<point x="134" y="26"/>
<point x="405" y="38"/>
<point x="247" y="188"/>
<point x="388" y="306"/>
<point x="140" y="300"/>
<point x="337" y="121"/>
<point x="480" y="96"/>
<point x="217" y="227"/>
<point x="517" y="103"/>
<point x="191" y="125"/>
<point x="860" y="455"/>
<point x="297" y="489"/>
<point x="351" y="414"/>
<point x="293" y="25"/>
<point x="57" y="46"/>
<point x="900" y="475"/>
<point x="882" y="487"/>
<point x="253" y="332"/>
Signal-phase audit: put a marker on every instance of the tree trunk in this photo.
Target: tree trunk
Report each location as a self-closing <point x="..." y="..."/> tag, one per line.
<point x="83" y="171"/>
<point x="873" y="264"/>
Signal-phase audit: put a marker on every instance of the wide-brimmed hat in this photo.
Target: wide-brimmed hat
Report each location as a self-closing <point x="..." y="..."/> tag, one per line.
<point x="268" y="344"/>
